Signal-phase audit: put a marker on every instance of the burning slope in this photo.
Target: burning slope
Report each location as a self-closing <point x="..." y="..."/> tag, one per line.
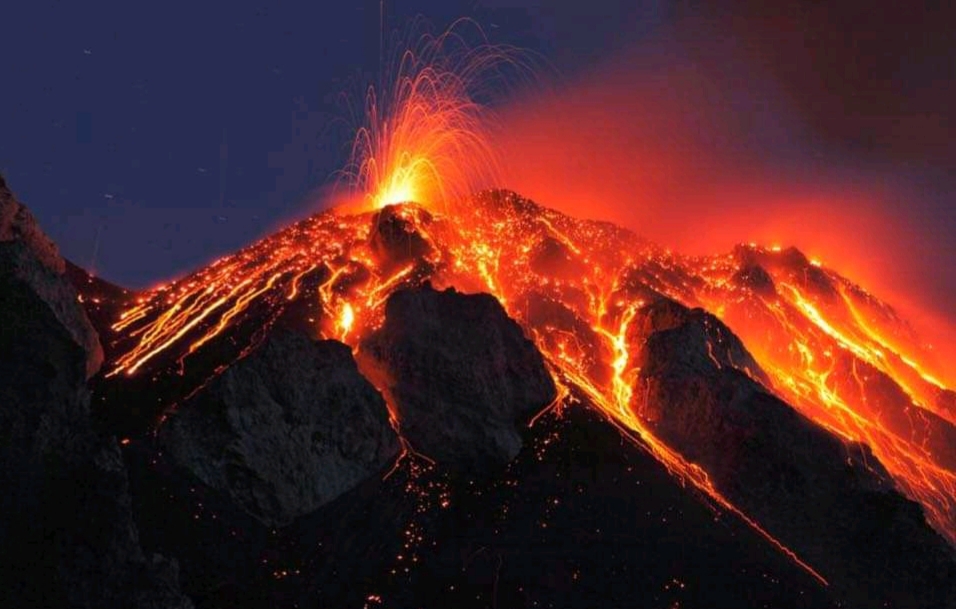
<point x="847" y="362"/>
<point x="833" y="351"/>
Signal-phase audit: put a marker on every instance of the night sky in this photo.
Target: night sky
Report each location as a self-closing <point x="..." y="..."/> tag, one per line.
<point x="150" y="138"/>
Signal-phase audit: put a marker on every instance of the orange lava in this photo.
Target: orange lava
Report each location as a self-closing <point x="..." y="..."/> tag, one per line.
<point x="848" y="362"/>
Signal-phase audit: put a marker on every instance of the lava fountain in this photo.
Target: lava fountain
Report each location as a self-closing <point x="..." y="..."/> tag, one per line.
<point x="425" y="134"/>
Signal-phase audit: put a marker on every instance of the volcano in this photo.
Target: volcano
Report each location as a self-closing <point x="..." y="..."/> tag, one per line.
<point x="494" y="405"/>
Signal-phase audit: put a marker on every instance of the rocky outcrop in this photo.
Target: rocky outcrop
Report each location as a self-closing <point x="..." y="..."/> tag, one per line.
<point x="396" y="240"/>
<point x="285" y="430"/>
<point x="553" y="258"/>
<point x="101" y="563"/>
<point x="693" y="340"/>
<point x="832" y="503"/>
<point x="756" y="279"/>
<point x="32" y="258"/>
<point x="461" y="374"/>
<point x="66" y="526"/>
<point x="790" y="263"/>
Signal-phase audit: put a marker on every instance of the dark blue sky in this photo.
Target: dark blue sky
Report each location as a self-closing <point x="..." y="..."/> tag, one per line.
<point x="149" y="138"/>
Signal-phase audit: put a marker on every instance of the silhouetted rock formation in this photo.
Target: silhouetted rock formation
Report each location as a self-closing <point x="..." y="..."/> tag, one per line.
<point x="33" y="259"/>
<point x="395" y="239"/>
<point x="461" y="373"/>
<point x="66" y="526"/>
<point x="578" y="519"/>
<point x="285" y="430"/>
<point x="832" y="503"/>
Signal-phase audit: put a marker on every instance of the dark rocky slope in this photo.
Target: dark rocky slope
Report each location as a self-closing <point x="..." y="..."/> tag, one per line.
<point x="578" y="519"/>
<point x="66" y="526"/>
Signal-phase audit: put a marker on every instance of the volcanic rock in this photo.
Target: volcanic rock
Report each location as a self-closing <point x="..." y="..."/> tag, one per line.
<point x="33" y="259"/>
<point x="793" y="263"/>
<point x="395" y="239"/>
<point x="695" y="340"/>
<point x="832" y="503"/>
<point x="552" y="258"/>
<point x="756" y="278"/>
<point x="101" y="562"/>
<point x="578" y="519"/>
<point x="285" y="430"/>
<point x="18" y="224"/>
<point x="66" y="526"/>
<point x="461" y="373"/>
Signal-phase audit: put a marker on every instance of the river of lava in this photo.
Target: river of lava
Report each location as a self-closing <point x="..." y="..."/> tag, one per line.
<point x="833" y="351"/>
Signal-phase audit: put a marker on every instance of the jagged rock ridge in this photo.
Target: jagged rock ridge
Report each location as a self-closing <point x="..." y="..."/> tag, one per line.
<point x="31" y="257"/>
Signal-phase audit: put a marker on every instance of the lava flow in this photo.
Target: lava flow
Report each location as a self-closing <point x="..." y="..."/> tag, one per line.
<point x="834" y="352"/>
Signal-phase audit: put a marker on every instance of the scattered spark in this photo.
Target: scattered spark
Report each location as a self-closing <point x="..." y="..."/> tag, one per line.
<point x="424" y="118"/>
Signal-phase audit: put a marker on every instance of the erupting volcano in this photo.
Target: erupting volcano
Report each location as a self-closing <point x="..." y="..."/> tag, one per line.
<point x="779" y="393"/>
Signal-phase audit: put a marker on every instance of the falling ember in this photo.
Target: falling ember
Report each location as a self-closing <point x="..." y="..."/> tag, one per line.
<point x="838" y="355"/>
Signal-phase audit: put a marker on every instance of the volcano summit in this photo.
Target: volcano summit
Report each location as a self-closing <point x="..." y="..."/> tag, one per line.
<point x="492" y="405"/>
